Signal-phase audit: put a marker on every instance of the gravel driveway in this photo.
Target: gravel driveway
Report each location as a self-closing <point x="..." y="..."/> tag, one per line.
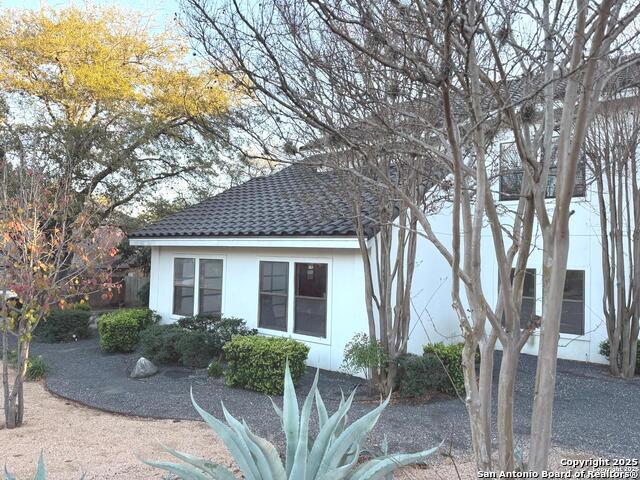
<point x="592" y="412"/>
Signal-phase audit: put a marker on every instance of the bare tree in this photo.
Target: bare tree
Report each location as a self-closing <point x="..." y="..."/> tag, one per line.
<point x="439" y="83"/>
<point x="612" y="149"/>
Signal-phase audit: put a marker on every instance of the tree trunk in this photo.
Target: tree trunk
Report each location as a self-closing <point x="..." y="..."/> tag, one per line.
<point x="14" y="397"/>
<point x="480" y="436"/>
<point x="555" y="268"/>
<point x="506" y="390"/>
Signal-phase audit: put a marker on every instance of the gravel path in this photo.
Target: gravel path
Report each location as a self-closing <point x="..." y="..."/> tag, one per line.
<point x="593" y="412"/>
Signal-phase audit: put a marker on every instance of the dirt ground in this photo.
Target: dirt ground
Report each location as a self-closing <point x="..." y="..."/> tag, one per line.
<point x="76" y="440"/>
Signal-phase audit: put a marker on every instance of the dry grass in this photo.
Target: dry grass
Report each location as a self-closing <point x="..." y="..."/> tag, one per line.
<point x="76" y="439"/>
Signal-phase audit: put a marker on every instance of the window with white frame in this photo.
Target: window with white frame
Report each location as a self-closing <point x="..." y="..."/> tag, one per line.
<point x="304" y="312"/>
<point x="197" y="294"/>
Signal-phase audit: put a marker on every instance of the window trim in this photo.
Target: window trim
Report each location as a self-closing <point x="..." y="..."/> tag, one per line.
<point x="260" y="293"/>
<point x="292" y="260"/>
<point x="196" y="286"/>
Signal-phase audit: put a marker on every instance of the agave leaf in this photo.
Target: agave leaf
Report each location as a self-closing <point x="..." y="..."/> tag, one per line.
<point x="271" y="454"/>
<point x="343" y="471"/>
<point x="41" y="473"/>
<point x="299" y="468"/>
<point x="277" y="409"/>
<point x="260" y="462"/>
<point x="290" y="418"/>
<point x="324" y="438"/>
<point x="232" y="441"/>
<point x="213" y="469"/>
<point x="185" y="472"/>
<point x="355" y="433"/>
<point x="322" y="410"/>
<point x="378" y="467"/>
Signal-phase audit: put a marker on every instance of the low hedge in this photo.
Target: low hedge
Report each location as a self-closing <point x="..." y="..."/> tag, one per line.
<point x="605" y="350"/>
<point x="71" y="323"/>
<point x="258" y="363"/>
<point x="420" y="374"/>
<point x="192" y="342"/>
<point x="451" y="358"/>
<point x="119" y="331"/>
<point x="158" y="343"/>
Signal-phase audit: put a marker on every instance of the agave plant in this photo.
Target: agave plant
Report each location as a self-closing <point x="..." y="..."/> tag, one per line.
<point x="332" y="455"/>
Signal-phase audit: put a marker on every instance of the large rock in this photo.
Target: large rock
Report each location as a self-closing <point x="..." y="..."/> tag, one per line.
<point x="143" y="368"/>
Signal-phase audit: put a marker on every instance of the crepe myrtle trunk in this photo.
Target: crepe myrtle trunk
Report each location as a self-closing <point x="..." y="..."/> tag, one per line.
<point x="14" y="391"/>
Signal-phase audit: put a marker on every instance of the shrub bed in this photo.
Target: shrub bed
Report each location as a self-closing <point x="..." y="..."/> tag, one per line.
<point x="258" y="363"/>
<point x="66" y="325"/>
<point x="193" y="341"/>
<point x="119" y="331"/>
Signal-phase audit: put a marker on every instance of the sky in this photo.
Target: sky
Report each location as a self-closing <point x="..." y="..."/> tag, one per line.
<point x="162" y="11"/>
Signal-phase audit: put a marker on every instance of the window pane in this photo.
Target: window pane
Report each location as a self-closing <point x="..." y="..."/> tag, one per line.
<point x="311" y="280"/>
<point x="273" y="312"/>
<point x="211" y="274"/>
<point x="572" y="316"/>
<point x="183" y="285"/>
<point x="311" y="317"/>
<point x="210" y="294"/>
<point x="528" y="307"/>
<point x="311" y="299"/>
<point x="274" y="288"/>
<point x="183" y="301"/>
<point x="210" y="302"/>
<point x="274" y="277"/>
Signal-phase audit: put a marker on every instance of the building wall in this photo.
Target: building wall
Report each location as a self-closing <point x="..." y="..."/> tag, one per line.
<point x="345" y="291"/>
<point x="433" y="318"/>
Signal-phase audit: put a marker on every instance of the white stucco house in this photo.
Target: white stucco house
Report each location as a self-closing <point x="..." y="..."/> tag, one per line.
<point x="281" y="252"/>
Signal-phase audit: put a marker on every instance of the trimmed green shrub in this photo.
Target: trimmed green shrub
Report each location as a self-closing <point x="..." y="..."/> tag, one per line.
<point x="37" y="368"/>
<point x="451" y="358"/>
<point x="66" y="325"/>
<point x="118" y="333"/>
<point x="420" y="374"/>
<point x="215" y="370"/>
<point x="605" y="350"/>
<point x="196" y="349"/>
<point x="145" y="316"/>
<point x="258" y="363"/>
<point x="158" y="343"/>
<point x="119" y="330"/>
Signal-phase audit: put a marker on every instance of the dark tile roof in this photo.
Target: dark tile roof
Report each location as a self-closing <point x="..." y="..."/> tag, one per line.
<point x="298" y="200"/>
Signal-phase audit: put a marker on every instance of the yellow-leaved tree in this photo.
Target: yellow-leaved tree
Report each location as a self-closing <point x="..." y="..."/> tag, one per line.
<point x="110" y="103"/>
